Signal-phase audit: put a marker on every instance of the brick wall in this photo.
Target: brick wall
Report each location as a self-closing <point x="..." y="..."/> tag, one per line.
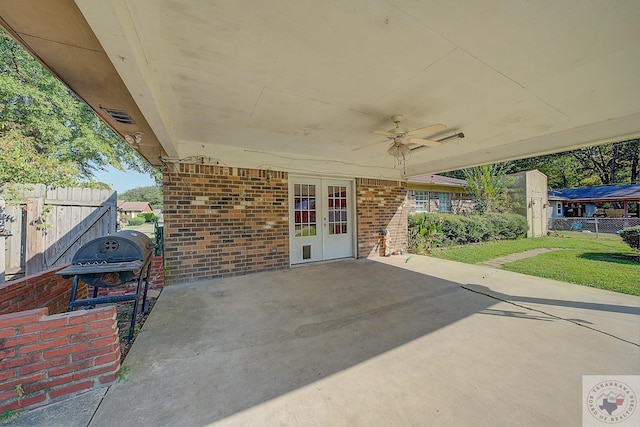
<point x="57" y="356"/>
<point x="156" y="274"/>
<point x="156" y="281"/>
<point x="42" y="290"/>
<point x="381" y="204"/>
<point x="222" y="221"/>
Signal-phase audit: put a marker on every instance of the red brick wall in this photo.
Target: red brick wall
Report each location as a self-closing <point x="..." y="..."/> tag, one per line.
<point x="57" y="356"/>
<point x="381" y="204"/>
<point x="156" y="281"/>
<point x="222" y="221"/>
<point x="156" y="274"/>
<point x="43" y="290"/>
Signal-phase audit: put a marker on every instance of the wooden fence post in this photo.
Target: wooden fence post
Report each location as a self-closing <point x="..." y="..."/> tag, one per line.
<point x="2" y="244"/>
<point x="34" y="249"/>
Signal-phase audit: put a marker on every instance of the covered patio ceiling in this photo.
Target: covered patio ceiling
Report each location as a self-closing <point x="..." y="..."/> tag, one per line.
<point x="296" y="85"/>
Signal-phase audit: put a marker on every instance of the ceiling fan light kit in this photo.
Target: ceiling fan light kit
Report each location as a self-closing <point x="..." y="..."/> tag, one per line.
<point x="398" y="148"/>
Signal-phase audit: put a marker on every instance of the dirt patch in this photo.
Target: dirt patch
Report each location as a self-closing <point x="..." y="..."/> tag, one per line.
<point x="124" y="312"/>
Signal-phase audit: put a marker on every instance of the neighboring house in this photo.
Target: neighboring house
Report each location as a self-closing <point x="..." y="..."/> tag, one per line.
<point x="436" y="193"/>
<point x="529" y="190"/>
<point x="610" y="201"/>
<point x="132" y="209"/>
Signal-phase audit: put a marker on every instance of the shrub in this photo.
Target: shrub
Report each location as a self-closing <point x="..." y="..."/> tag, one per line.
<point x="476" y="228"/>
<point x="453" y="230"/>
<point x="631" y="236"/>
<point x="508" y="226"/>
<point x="423" y="233"/>
<point x="518" y="225"/>
<point x="139" y="220"/>
<point x="436" y="230"/>
<point x="148" y="216"/>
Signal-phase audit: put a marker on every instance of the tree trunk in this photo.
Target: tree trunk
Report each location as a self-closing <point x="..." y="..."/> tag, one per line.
<point x="612" y="170"/>
<point x="634" y="161"/>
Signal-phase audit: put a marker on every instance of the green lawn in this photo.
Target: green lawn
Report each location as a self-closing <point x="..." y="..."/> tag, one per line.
<point x="584" y="260"/>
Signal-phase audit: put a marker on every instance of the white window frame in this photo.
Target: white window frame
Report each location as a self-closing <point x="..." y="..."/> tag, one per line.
<point x="421" y="199"/>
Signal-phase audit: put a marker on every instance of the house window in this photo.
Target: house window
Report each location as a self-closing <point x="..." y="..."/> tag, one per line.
<point x="444" y="202"/>
<point x="559" y="208"/>
<point x="422" y="200"/>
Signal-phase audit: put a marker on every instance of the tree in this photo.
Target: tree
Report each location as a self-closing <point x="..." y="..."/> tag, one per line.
<point x="598" y="165"/>
<point x="53" y="137"/>
<point x="151" y="194"/>
<point x="562" y="170"/>
<point x="20" y="162"/>
<point x="488" y="185"/>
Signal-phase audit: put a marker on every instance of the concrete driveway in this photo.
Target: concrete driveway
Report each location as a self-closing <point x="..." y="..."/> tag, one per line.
<point x="373" y="342"/>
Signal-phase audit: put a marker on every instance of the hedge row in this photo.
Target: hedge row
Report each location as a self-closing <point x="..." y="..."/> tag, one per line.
<point x="463" y="229"/>
<point x="138" y="220"/>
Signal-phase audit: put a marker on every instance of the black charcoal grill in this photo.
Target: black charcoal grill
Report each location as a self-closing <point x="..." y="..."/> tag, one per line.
<point x="110" y="261"/>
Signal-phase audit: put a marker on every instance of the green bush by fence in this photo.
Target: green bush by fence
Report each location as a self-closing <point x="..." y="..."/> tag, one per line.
<point x="148" y="216"/>
<point x="429" y="230"/>
<point x="138" y="220"/>
<point x="631" y="236"/>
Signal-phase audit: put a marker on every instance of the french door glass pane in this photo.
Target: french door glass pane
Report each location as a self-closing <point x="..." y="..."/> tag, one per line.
<point x="304" y="210"/>
<point x="337" y="198"/>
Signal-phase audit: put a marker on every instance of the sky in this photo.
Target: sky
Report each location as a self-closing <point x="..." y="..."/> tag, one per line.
<point x="123" y="181"/>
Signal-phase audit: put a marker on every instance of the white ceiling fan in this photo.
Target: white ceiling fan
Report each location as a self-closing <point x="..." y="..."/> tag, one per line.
<point x="397" y="135"/>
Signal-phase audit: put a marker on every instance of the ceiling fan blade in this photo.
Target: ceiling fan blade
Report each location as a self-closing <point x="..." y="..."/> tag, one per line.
<point x="429" y="129"/>
<point x="383" y="133"/>
<point x="369" y="145"/>
<point x="427" y="142"/>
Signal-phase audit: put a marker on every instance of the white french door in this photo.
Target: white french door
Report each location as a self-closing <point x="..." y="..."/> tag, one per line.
<point x="321" y="218"/>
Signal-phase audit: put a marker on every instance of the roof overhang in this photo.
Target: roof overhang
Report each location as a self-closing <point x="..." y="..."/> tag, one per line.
<point x="297" y="85"/>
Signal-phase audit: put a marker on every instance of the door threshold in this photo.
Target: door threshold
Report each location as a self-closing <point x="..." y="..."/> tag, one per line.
<point x="327" y="261"/>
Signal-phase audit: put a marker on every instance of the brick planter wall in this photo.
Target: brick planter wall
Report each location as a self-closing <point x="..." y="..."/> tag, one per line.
<point x="57" y="356"/>
<point x="222" y="221"/>
<point x="44" y="290"/>
<point x="381" y="204"/>
<point x="156" y="274"/>
<point x="156" y="281"/>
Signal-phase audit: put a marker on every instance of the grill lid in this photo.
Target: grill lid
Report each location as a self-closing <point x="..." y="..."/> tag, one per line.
<point x="123" y="246"/>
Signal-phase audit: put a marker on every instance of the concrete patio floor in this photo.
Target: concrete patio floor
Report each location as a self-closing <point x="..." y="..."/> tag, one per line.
<point x="368" y="342"/>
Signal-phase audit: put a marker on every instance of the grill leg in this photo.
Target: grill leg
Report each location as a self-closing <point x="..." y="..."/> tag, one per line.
<point x="134" y="315"/>
<point x="145" y="306"/>
<point x="143" y="277"/>
<point x="74" y="289"/>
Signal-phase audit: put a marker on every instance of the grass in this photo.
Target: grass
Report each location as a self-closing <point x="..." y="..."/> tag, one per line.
<point x="9" y="416"/>
<point x="584" y="260"/>
<point x="124" y="371"/>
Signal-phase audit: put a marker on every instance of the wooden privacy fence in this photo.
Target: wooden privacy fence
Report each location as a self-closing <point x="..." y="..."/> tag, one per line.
<point x="43" y="227"/>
